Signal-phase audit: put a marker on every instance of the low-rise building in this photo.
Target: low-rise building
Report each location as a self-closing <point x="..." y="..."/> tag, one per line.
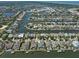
<point x="8" y="45"/>
<point x="33" y="43"/>
<point x="16" y="45"/>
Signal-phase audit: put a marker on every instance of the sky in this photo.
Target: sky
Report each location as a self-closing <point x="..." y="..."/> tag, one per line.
<point x="39" y="0"/>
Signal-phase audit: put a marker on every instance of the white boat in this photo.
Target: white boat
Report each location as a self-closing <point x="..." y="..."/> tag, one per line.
<point x="26" y="51"/>
<point x="12" y="52"/>
<point x="59" y="51"/>
<point x="74" y="50"/>
<point x="48" y="51"/>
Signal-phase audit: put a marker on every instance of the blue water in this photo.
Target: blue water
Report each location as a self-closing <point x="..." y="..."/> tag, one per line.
<point x="21" y="28"/>
<point x="8" y="14"/>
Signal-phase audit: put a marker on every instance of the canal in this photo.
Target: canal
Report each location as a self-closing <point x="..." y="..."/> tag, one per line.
<point x="8" y="14"/>
<point x="22" y="23"/>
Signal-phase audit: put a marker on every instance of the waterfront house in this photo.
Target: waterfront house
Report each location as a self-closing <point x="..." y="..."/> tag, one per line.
<point x="9" y="31"/>
<point x="10" y="35"/>
<point x="31" y="35"/>
<point x="15" y="35"/>
<point x="8" y="45"/>
<point x="41" y="43"/>
<point x="75" y="43"/>
<point x="4" y="36"/>
<point x="54" y="44"/>
<point x="26" y="35"/>
<point x="16" y="45"/>
<point x="48" y="45"/>
<point x="33" y="43"/>
<point x="25" y="46"/>
<point x="1" y="45"/>
<point x="0" y="39"/>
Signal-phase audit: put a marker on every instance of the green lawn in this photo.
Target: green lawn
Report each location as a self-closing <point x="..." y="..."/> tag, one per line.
<point x="53" y="54"/>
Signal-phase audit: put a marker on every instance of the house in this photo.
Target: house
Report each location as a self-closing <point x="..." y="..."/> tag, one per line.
<point x="16" y="45"/>
<point x="8" y="45"/>
<point x="33" y="44"/>
<point x="41" y="43"/>
<point x="1" y="45"/>
<point x="10" y="35"/>
<point x="75" y="44"/>
<point x="25" y="45"/>
<point x="48" y="45"/>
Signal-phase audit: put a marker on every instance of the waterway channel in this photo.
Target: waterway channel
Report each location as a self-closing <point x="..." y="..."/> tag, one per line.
<point x="21" y="27"/>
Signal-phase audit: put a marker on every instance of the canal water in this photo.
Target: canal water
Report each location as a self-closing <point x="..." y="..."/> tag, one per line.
<point x="21" y="26"/>
<point x="8" y="14"/>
